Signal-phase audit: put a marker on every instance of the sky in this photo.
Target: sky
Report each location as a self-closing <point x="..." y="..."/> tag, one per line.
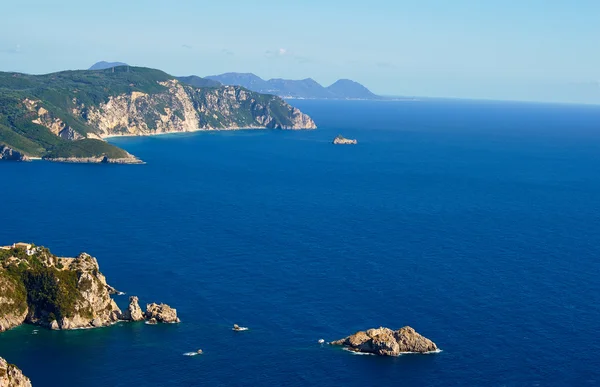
<point x="543" y="50"/>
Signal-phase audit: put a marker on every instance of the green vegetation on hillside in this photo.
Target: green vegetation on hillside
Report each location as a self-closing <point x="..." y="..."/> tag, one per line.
<point x="87" y="148"/>
<point x="56" y="93"/>
<point x="47" y="292"/>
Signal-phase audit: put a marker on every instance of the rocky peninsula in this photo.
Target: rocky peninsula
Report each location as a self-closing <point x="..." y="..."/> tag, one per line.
<point x="341" y="140"/>
<point x="387" y="342"/>
<point x="37" y="287"/>
<point x="11" y="376"/>
<point x="71" y="123"/>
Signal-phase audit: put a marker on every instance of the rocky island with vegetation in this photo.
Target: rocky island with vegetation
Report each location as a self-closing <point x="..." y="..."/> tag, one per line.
<point x="341" y="140"/>
<point x="37" y="287"/>
<point x="66" y="116"/>
<point x="387" y="342"/>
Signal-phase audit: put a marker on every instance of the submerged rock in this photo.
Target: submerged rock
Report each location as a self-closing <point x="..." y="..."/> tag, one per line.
<point x="133" y="312"/>
<point x="387" y="342"/>
<point x="11" y="376"/>
<point x="161" y="313"/>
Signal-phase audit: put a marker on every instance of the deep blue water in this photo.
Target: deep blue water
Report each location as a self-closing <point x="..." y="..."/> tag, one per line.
<point x="477" y="223"/>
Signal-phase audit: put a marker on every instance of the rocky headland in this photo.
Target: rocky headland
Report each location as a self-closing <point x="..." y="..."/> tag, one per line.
<point x="11" y="376"/>
<point x="67" y="116"/>
<point x="341" y="140"/>
<point x="9" y="154"/>
<point x="37" y="287"/>
<point x="387" y="342"/>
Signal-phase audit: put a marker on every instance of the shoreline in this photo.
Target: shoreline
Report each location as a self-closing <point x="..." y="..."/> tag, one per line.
<point x="103" y="137"/>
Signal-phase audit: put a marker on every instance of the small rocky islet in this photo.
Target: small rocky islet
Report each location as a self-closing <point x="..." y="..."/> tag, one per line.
<point x="387" y="342"/>
<point x="341" y="140"/>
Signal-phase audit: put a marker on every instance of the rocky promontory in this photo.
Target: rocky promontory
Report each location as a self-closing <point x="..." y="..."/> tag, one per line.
<point x="387" y="342"/>
<point x="87" y="107"/>
<point x="37" y="287"/>
<point x="95" y="160"/>
<point x="341" y="140"/>
<point x="11" y="376"/>
<point x="7" y="153"/>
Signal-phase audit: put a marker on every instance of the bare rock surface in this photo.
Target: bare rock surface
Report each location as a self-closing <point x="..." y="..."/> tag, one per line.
<point x="133" y="312"/>
<point x="11" y="376"/>
<point x="387" y="342"/>
<point x="161" y="313"/>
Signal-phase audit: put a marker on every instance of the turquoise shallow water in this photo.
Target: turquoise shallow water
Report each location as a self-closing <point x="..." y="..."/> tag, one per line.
<point x="477" y="223"/>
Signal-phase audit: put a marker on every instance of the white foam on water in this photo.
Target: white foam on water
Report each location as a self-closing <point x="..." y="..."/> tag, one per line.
<point x="421" y="353"/>
<point x="191" y="354"/>
<point x="359" y="353"/>
<point x="240" y="329"/>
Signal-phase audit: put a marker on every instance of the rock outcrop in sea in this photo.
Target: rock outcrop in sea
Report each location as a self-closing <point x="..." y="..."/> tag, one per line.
<point x="341" y="140"/>
<point x="387" y="342"/>
<point x="11" y="376"/>
<point x="161" y="313"/>
<point x="133" y="312"/>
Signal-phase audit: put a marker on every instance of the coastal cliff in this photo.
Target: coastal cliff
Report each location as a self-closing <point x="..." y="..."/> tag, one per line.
<point x="37" y="287"/>
<point x="65" y="116"/>
<point x="7" y="153"/>
<point x="11" y="376"/>
<point x="182" y="108"/>
<point x="60" y="293"/>
<point x="387" y="342"/>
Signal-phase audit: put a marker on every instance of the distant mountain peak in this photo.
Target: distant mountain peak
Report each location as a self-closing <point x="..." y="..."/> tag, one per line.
<point x="304" y="88"/>
<point x="351" y="90"/>
<point x="102" y="65"/>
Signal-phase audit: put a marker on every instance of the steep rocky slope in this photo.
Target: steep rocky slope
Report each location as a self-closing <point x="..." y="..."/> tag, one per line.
<point x="11" y="376"/>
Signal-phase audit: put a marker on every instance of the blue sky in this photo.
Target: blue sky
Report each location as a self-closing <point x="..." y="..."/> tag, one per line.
<point x="509" y="49"/>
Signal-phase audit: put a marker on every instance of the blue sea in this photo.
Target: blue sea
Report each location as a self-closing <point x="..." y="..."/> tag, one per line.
<point x="476" y="223"/>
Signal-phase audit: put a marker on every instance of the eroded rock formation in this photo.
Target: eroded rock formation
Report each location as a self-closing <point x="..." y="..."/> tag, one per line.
<point x="387" y="342"/>
<point x="11" y="376"/>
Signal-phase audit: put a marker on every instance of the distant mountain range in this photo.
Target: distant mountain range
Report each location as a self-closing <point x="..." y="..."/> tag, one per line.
<point x="306" y="88"/>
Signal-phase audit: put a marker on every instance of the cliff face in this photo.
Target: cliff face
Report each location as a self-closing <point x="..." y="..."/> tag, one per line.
<point x="60" y="293"/>
<point x="387" y="342"/>
<point x="182" y="108"/>
<point x="11" y="376"/>
<point x="7" y="153"/>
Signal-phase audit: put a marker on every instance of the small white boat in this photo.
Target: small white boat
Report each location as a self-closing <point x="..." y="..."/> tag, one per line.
<point x="198" y="352"/>
<point x="239" y="328"/>
<point x="321" y="341"/>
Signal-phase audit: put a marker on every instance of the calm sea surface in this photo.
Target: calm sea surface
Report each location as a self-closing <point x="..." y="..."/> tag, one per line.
<point x="477" y="223"/>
